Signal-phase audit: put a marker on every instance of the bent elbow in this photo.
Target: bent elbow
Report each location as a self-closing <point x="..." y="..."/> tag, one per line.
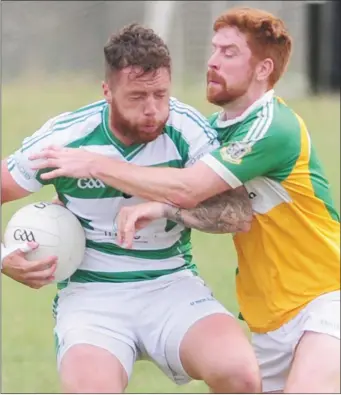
<point x="245" y="224"/>
<point x="184" y="198"/>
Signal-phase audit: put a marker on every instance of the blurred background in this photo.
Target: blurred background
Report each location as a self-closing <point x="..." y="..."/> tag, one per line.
<point x="52" y="62"/>
<point x="57" y="37"/>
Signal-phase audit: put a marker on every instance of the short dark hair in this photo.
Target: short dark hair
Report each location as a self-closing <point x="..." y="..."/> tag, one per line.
<point x="136" y="45"/>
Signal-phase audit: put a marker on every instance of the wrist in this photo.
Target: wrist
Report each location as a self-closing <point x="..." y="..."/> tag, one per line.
<point x="171" y="212"/>
<point x="97" y="166"/>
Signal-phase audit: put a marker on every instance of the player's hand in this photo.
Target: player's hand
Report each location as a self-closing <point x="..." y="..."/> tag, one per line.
<point x="34" y="274"/>
<point x="133" y="218"/>
<point x="55" y="200"/>
<point x="65" y="162"/>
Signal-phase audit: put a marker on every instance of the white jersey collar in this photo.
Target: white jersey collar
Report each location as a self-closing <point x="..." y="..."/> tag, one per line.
<point x="268" y="96"/>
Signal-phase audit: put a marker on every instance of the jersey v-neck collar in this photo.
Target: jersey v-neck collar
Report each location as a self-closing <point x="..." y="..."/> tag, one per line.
<point x="220" y="123"/>
<point x="128" y="151"/>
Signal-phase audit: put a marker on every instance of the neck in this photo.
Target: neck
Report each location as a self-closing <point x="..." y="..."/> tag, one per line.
<point x="237" y="107"/>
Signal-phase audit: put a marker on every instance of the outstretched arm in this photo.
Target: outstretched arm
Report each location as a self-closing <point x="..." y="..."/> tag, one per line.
<point x="180" y="187"/>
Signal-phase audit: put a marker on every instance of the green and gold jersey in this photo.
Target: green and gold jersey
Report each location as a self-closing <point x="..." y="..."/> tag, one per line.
<point x="292" y="252"/>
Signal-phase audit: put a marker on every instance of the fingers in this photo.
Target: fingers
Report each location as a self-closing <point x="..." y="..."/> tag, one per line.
<point x="55" y="148"/>
<point x="43" y="264"/>
<point x="47" y="153"/>
<point x="23" y="248"/>
<point x="51" y="152"/>
<point x="121" y="221"/>
<point x="36" y="284"/>
<point x="126" y="221"/>
<point x="30" y="246"/>
<point x="45" y="163"/>
<point x="129" y="230"/>
<point x="55" y="200"/>
<point x="42" y="275"/>
<point x="53" y="174"/>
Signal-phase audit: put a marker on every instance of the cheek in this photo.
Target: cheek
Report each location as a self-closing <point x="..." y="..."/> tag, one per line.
<point x="163" y="107"/>
<point x="236" y="70"/>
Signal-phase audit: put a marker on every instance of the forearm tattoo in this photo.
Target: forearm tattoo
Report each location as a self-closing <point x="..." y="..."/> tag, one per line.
<point x="228" y="212"/>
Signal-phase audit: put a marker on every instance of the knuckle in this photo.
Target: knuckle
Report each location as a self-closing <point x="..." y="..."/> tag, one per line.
<point x="23" y="269"/>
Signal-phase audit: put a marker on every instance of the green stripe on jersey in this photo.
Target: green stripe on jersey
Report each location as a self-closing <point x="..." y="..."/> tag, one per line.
<point x="65" y="122"/>
<point x="179" y="141"/>
<point x="286" y="123"/>
<point x="321" y="185"/>
<point x="88" y="276"/>
<point x="100" y="103"/>
<point x="194" y="115"/>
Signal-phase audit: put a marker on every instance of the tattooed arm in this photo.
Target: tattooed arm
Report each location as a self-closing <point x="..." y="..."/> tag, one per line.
<point x="228" y="212"/>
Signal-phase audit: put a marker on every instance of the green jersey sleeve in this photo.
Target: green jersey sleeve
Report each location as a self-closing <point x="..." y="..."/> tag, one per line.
<point x="260" y="146"/>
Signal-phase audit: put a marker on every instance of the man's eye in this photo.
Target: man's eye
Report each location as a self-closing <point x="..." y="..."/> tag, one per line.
<point x="160" y="95"/>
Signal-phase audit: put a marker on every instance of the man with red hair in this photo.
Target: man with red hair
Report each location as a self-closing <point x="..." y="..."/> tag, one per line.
<point x="288" y="280"/>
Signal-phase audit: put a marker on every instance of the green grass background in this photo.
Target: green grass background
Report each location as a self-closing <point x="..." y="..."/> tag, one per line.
<point x="28" y="359"/>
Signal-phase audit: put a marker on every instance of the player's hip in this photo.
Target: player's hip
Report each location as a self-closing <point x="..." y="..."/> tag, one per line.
<point x="125" y="298"/>
<point x="270" y="311"/>
<point x="275" y="349"/>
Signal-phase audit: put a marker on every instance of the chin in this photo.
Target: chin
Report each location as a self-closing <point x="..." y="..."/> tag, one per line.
<point x="149" y="136"/>
<point x="214" y="99"/>
<point x="213" y="94"/>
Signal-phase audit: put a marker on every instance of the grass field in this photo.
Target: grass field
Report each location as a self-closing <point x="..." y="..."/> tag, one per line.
<point x="28" y="361"/>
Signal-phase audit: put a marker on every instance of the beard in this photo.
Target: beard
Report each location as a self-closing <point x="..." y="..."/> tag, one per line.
<point x="220" y="93"/>
<point x="137" y="133"/>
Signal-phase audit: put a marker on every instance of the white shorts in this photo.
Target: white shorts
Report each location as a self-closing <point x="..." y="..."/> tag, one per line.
<point x="144" y="320"/>
<point x="275" y="350"/>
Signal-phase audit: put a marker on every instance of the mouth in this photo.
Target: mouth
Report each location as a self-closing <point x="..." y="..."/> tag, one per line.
<point x="149" y="128"/>
<point x="213" y="83"/>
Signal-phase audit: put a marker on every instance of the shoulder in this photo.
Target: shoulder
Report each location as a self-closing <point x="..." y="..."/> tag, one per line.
<point x="182" y="115"/>
<point x="274" y="122"/>
<point x="190" y="123"/>
<point x="66" y="127"/>
<point x="84" y="116"/>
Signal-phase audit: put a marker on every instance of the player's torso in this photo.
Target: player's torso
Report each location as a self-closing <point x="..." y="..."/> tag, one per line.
<point x="160" y="248"/>
<point x="292" y="253"/>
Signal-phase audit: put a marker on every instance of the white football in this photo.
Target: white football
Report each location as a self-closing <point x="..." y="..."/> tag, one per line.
<point x="57" y="231"/>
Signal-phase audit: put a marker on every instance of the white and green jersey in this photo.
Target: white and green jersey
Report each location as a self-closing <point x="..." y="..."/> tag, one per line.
<point x="161" y="248"/>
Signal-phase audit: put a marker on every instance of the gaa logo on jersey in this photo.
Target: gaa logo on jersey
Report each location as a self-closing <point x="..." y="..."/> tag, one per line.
<point x="235" y="151"/>
<point x="90" y="183"/>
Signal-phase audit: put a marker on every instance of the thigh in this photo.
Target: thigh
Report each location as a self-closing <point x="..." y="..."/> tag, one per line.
<point x="192" y="327"/>
<point x="91" y="333"/>
<point x="85" y="368"/>
<point x="316" y="361"/>
<point x="216" y="349"/>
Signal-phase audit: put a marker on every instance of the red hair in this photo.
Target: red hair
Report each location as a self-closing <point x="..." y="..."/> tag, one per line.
<point x="266" y="35"/>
